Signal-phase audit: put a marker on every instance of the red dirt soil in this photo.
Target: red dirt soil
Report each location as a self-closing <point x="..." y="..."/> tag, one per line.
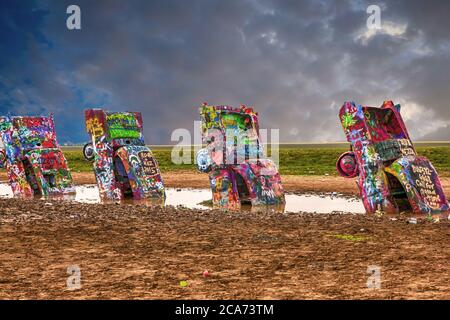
<point x="139" y="252"/>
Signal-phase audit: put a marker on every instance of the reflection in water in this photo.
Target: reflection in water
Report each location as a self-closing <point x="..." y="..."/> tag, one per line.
<point x="87" y="194"/>
<point x="201" y="199"/>
<point x="5" y="191"/>
<point x="322" y="204"/>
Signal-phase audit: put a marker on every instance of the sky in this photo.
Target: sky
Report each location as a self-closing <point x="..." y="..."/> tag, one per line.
<point x="296" y="62"/>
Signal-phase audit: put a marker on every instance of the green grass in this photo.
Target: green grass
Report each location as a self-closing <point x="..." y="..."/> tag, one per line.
<point x="309" y="161"/>
<point x="76" y="161"/>
<point x="350" y="237"/>
<point x="294" y="159"/>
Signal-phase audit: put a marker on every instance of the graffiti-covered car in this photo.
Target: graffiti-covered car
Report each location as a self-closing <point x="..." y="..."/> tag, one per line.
<point x="124" y="166"/>
<point x="32" y="157"/>
<point x="233" y="158"/>
<point x="390" y="175"/>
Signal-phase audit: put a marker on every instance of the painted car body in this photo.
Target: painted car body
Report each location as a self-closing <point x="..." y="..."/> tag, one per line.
<point x="124" y="166"/>
<point x="33" y="158"/>
<point x="391" y="176"/>
<point x="233" y="158"/>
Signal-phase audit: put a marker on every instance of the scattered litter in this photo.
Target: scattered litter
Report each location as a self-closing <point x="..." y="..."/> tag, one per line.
<point x="205" y="273"/>
<point x="184" y="283"/>
<point x="350" y="237"/>
<point x="412" y="220"/>
<point x="379" y="213"/>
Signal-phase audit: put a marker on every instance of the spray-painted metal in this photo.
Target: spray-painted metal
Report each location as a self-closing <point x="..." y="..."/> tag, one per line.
<point x="391" y="176"/>
<point x="33" y="158"/>
<point x="233" y="157"/>
<point x="124" y="166"/>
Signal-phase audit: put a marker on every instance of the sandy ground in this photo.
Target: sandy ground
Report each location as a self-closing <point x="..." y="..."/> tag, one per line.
<point x="139" y="252"/>
<point x="136" y="252"/>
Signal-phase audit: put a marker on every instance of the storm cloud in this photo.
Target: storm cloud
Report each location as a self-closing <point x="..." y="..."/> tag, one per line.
<point x="296" y="62"/>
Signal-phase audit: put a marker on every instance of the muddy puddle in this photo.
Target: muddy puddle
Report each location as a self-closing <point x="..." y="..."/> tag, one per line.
<point x="201" y="199"/>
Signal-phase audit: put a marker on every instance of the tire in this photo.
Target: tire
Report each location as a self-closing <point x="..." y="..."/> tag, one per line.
<point x="203" y="161"/>
<point x="2" y="159"/>
<point x="88" y="152"/>
<point x="347" y="165"/>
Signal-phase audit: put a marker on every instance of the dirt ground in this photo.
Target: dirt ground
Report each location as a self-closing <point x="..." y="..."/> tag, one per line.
<point x="139" y="252"/>
<point x="291" y="183"/>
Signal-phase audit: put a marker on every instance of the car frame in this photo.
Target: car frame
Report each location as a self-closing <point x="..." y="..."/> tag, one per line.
<point x="391" y="177"/>
<point x="32" y="157"/>
<point x="234" y="159"/>
<point x="124" y="166"/>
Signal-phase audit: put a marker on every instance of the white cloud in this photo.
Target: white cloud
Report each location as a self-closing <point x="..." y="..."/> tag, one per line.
<point x="420" y="120"/>
<point x="389" y="28"/>
<point x="270" y="37"/>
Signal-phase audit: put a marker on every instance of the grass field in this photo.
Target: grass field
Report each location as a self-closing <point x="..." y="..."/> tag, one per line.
<point x="304" y="159"/>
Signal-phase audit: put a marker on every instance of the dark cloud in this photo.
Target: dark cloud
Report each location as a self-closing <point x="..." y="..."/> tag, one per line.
<point x="295" y="61"/>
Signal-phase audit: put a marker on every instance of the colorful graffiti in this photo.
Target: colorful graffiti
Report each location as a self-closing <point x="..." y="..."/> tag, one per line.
<point x="233" y="158"/>
<point x="391" y="176"/>
<point x="32" y="157"/>
<point x="124" y="166"/>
